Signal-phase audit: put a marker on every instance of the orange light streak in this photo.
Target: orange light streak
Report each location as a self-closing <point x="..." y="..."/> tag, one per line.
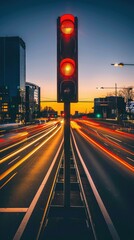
<point x="28" y="145"/>
<point x="120" y="160"/>
<point x="74" y="125"/>
<point x="122" y="148"/>
<point x="11" y="169"/>
<point x="114" y="143"/>
<point x="107" y="139"/>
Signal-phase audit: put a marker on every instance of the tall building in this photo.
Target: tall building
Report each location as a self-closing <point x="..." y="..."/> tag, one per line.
<point x="12" y="79"/>
<point x="32" y="101"/>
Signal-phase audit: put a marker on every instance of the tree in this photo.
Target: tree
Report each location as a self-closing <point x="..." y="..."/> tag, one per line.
<point x="127" y="93"/>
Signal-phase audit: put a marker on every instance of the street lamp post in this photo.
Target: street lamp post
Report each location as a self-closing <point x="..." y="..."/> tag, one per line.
<point x="122" y="64"/>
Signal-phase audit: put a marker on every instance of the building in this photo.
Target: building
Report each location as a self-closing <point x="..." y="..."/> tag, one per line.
<point x="32" y="101"/>
<point x="109" y="107"/>
<point x="12" y="79"/>
<point x="4" y="104"/>
<point x="130" y="109"/>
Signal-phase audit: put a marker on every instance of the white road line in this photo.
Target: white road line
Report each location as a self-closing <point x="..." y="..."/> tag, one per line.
<point x="106" y="144"/>
<point x="36" y="144"/>
<point x="130" y="159"/>
<point x="8" y="180"/>
<point x="13" y="145"/>
<point x="17" y="164"/>
<point x="35" y="199"/>
<point x="98" y="198"/>
<point x="7" y="210"/>
<point x="13" y="160"/>
<point x="28" y="145"/>
<point x="113" y="138"/>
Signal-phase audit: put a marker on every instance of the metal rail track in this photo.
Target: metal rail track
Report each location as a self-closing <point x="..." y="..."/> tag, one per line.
<point x="86" y="218"/>
<point x="61" y="222"/>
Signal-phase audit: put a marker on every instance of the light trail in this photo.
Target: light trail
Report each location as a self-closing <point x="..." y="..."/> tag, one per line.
<point x="13" y="145"/>
<point x="113" y="131"/>
<point x="8" y="180"/>
<point x="28" y="145"/>
<point x="28" y="214"/>
<point x="118" y="159"/>
<point x="104" y="211"/>
<point x="119" y="146"/>
<point x="113" y="138"/>
<point x="76" y="126"/>
<point x="11" y="169"/>
<point x="24" y="140"/>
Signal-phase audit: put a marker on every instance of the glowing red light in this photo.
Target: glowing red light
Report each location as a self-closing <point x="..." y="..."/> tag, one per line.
<point x="67" y="67"/>
<point x="67" y="27"/>
<point x="67" y="24"/>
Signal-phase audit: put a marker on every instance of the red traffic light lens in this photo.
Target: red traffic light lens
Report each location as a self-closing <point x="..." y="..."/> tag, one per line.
<point x="67" y="27"/>
<point x="67" y="24"/>
<point x="67" y="67"/>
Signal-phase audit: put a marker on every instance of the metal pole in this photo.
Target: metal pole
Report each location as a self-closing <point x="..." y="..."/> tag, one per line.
<point x="67" y="154"/>
<point x="116" y="101"/>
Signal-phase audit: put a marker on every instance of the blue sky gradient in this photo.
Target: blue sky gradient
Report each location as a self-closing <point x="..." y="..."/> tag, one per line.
<point x="105" y="36"/>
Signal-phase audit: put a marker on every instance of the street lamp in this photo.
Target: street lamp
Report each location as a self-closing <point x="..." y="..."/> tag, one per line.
<point x="109" y="88"/>
<point x="122" y="64"/>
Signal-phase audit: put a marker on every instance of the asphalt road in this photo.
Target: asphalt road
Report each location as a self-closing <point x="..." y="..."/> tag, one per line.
<point x="25" y="172"/>
<point x="109" y="158"/>
<point x="108" y="155"/>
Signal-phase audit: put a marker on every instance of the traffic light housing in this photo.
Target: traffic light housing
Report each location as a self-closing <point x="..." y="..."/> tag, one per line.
<point x="67" y="58"/>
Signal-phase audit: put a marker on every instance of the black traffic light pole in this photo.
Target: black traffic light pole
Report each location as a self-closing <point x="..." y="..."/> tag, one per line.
<point x="66" y="154"/>
<point x="67" y="83"/>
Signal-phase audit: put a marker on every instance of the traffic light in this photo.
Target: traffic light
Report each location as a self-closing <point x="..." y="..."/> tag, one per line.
<point x="67" y="58"/>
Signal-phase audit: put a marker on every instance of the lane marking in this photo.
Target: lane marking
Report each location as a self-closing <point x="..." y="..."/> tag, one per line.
<point x="113" y="138"/>
<point x="3" y="175"/>
<point x="7" y="210"/>
<point x="13" y="145"/>
<point x="118" y="159"/>
<point x="36" y="144"/>
<point x="130" y="159"/>
<point x="106" y="144"/>
<point x="28" y="145"/>
<point x="13" y="160"/>
<point x="8" y="180"/>
<point x="36" y="198"/>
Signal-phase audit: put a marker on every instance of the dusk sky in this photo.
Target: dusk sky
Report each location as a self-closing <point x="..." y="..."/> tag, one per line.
<point x="105" y="36"/>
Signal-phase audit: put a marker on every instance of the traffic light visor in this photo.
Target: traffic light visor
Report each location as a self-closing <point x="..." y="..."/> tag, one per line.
<point x="67" y="67"/>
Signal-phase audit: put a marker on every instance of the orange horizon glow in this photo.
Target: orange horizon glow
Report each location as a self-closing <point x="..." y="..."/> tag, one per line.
<point x="81" y="107"/>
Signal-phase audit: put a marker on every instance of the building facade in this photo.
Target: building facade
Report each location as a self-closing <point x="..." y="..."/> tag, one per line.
<point x="32" y="101"/>
<point x="12" y="79"/>
<point x="109" y="107"/>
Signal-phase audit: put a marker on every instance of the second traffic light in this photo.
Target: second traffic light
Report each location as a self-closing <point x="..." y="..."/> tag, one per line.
<point x="67" y="58"/>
